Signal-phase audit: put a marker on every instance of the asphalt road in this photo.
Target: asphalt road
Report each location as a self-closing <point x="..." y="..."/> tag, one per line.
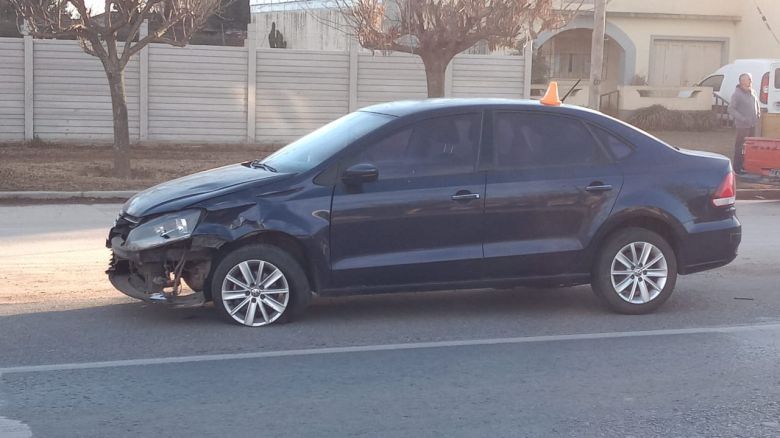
<point x="78" y="359"/>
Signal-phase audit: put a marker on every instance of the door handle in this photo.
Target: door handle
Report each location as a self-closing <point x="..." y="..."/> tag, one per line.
<point x="465" y="196"/>
<point x="598" y="187"/>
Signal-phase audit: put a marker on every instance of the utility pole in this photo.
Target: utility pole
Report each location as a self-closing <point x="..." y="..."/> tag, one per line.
<point x="597" y="52"/>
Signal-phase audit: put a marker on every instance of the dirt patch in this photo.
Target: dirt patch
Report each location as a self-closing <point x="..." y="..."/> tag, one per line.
<point x="75" y="167"/>
<point x="720" y="141"/>
<point x="72" y="167"/>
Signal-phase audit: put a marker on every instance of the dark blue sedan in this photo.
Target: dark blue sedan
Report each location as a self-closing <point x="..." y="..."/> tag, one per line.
<point x="435" y="194"/>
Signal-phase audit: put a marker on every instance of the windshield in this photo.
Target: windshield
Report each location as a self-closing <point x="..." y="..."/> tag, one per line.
<point x="314" y="148"/>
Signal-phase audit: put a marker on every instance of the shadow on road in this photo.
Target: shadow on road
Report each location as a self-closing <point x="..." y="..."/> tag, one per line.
<point x="137" y="330"/>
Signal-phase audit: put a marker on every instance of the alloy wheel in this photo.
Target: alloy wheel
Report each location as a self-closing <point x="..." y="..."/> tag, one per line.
<point x="255" y="293"/>
<point x="639" y="272"/>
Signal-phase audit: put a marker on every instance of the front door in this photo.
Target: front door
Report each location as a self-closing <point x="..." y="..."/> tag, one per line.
<point x="420" y="222"/>
<point x="551" y="186"/>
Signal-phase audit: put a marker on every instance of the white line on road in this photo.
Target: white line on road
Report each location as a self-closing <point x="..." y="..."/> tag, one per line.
<point x="385" y="347"/>
<point x="14" y="429"/>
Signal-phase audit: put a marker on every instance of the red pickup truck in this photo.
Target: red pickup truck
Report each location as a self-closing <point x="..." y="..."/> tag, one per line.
<point x="762" y="159"/>
<point x="762" y="154"/>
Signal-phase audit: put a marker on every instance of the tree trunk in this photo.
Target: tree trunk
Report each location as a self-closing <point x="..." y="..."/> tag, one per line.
<point x="435" y="69"/>
<point x="116" y="83"/>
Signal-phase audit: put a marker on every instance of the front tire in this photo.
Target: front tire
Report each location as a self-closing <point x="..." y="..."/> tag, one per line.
<point x="258" y="285"/>
<point x="635" y="272"/>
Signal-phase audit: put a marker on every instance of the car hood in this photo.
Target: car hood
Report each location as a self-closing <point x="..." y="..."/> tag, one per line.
<point x="179" y="193"/>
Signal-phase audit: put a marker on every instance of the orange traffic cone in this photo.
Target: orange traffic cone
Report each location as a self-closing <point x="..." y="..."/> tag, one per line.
<point x="551" y="96"/>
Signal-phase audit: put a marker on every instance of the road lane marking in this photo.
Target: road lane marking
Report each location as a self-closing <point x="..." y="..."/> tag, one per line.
<point x="385" y="347"/>
<point x="14" y="429"/>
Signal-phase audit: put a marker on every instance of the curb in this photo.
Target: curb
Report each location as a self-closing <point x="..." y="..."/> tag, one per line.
<point x="742" y="194"/>
<point x="43" y="195"/>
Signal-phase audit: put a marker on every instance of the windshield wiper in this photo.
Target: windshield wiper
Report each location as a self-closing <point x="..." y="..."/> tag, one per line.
<point x="261" y="165"/>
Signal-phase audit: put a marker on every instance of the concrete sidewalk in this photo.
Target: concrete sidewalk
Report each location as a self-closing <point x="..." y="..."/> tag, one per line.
<point x="52" y="195"/>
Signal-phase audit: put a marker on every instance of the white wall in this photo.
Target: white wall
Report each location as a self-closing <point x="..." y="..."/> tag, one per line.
<point x="304" y="29"/>
<point x="754" y="40"/>
<point x="210" y="94"/>
<point x="197" y="93"/>
<point x="398" y="76"/>
<point x="299" y="91"/>
<point x="480" y="76"/>
<point x="72" y="99"/>
<point x="11" y="89"/>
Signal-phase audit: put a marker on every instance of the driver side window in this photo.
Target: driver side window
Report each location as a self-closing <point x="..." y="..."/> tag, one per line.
<point x="714" y="81"/>
<point x="439" y="146"/>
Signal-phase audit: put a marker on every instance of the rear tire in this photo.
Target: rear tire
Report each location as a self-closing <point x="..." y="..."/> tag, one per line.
<point x="257" y="285"/>
<point x="635" y="271"/>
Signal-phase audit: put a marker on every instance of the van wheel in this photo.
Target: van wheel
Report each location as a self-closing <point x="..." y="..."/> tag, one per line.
<point x="635" y="272"/>
<point x="258" y="285"/>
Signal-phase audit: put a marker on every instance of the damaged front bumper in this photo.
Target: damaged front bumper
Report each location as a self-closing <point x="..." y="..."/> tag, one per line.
<point x="156" y="275"/>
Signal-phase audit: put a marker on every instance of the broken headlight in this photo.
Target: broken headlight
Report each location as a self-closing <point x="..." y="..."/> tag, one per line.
<point x="163" y="230"/>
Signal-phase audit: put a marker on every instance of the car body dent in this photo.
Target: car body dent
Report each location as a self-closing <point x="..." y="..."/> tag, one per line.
<point x="243" y="203"/>
<point x="182" y="192"/>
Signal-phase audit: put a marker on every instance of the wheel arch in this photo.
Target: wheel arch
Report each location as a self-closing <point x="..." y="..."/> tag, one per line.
<point x="279" y="239"/>
<point x="653" y="220"/>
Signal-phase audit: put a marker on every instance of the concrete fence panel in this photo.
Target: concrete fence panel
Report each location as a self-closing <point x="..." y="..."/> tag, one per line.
<point x="488" y="76"/>
<point x="197" y="94"/>
<point x="299" y="91"/>
<point x="211" y="94"/>
<point x="386" y="78"/>
<point x="11" y="89"/>
<point x="71" y="94"/>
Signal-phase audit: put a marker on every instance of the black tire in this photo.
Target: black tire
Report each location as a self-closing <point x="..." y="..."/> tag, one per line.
<point x="299" y="291"/>
<point x="602" y="280"/>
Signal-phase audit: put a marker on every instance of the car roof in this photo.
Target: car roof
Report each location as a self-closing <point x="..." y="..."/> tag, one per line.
<point x="417" y="107"/>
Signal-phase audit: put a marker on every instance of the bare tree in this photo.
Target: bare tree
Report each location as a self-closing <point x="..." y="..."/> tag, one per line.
<point x="437" y="30"/>
<point x="102" y="35"/>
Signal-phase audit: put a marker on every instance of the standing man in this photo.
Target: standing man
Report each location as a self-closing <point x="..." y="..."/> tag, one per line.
<point x="745" y="110"/>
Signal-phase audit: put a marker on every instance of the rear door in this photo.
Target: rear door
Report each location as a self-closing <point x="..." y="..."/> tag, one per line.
<point x="773" y="101"/>
<point x="550" y="187"/>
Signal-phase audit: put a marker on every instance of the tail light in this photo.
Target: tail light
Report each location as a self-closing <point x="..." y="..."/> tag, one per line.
<point x="727" y="192"/>
<point x="764" y="95"/>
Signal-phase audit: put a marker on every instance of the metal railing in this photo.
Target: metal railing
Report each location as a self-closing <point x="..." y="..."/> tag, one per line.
<point x="609" y="103"/>
<point x="721" y="109"/>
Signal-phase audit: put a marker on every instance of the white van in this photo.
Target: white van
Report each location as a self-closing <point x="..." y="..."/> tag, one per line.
<point x="773" y="98"/>
<point x="724" y="80"/>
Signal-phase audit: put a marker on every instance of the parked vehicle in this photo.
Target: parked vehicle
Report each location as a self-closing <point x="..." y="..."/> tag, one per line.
<point x="725" y="79"/>
<point x="435" y="194"/>
<point x="762" y="154"/>
<point x="773" y="89"/>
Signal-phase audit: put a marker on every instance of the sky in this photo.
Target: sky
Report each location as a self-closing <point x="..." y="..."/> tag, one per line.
<point x="97" y="6"/>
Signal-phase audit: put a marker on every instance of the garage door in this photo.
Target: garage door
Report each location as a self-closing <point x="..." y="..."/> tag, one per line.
<point x="676" y="63"/>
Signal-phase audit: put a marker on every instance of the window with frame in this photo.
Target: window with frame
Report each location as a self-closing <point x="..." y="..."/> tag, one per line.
<point x="714" y="81"/>
<point x="526" y="139"/>
<point x="439" y="146"/>
<point x="617" y="147"/>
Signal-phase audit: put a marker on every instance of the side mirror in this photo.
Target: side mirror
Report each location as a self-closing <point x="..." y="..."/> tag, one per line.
<point x="360" y="173"/>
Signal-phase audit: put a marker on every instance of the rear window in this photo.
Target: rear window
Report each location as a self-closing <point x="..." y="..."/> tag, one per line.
<point x="777" y="78"/>
<point x="714" y="81"/>
<point x="525" y="139"/>
<point x="617" y="147"/>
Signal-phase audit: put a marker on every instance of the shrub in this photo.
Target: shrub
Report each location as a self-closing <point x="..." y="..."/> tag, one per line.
<point x="658" y="117"/>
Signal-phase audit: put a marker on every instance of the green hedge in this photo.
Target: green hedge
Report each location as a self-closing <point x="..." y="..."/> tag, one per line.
<point x="658" y="117"/>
